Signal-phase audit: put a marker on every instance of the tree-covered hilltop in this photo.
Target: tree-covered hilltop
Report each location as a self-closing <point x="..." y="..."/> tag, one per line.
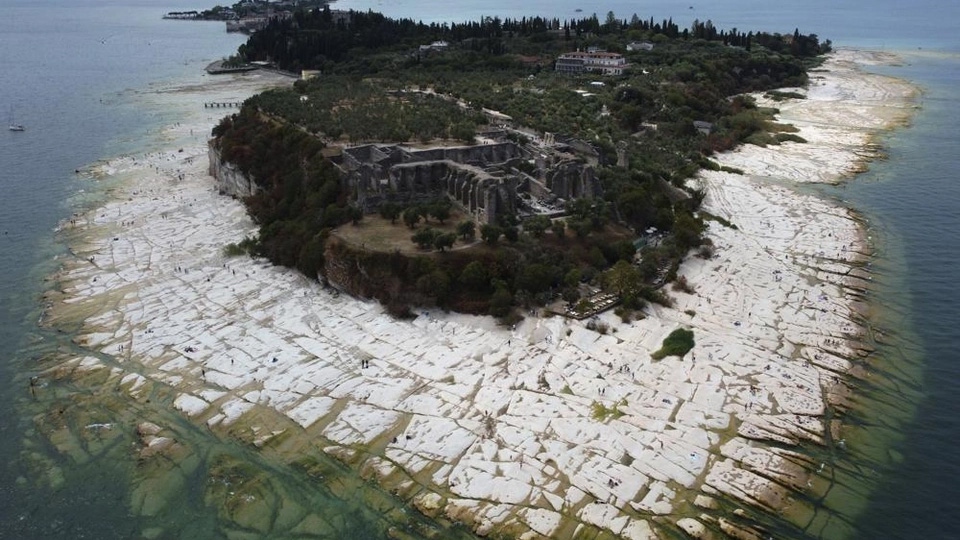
<point x="330" y="40"/>
<point x="645" y="132"/>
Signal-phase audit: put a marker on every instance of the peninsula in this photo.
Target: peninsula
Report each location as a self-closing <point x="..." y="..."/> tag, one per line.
<point x="692" y="410"/>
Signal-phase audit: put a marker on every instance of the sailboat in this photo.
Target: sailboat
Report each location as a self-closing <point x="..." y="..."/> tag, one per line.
<point x="13" y="125"/>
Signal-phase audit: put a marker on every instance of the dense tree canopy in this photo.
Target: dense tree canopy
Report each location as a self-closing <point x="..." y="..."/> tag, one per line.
<point x="321" y="39"/>
<point x="298" y="196"/>
<point x="404" y="81"/>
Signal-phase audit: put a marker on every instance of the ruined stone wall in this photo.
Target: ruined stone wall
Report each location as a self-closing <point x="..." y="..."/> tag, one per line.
<point x="481" y="153"/>
<point x="537" y="189"/>
<point x="479" y="193"/>
<point x="379" y="174"/>
<point x="229" y="179"/>
<point x="370" y="153"/>
<point x="581" y="148"/>
<point x="572" y="180"/>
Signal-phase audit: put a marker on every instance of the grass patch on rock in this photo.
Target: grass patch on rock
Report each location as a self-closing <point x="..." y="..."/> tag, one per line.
<point x="678" y="343"/>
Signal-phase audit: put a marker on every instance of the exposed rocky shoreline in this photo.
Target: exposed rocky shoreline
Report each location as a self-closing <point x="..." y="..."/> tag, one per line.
<point x="546" y="429"/>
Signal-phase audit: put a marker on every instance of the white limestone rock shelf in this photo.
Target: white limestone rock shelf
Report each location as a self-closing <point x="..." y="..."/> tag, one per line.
<point x="500" y="423"/>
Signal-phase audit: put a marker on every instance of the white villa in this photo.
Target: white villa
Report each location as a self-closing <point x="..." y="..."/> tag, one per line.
<point x="604" y="63"/>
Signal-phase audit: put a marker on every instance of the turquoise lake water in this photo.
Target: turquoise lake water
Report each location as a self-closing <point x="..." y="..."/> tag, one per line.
<point x="72" y="73"/>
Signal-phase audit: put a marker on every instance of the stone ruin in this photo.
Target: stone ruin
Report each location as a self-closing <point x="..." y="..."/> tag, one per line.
<point x="485" y="180"/>
<point x="563" y="175"/>
<point x="478" y="178"/>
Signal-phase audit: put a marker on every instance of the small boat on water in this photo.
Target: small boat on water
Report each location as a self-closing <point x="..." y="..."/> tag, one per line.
<point x="13" y="126"/>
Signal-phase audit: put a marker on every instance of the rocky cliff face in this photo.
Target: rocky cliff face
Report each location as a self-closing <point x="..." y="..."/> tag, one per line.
<point x="371" y="275"/>
<point x="229" y="179"/>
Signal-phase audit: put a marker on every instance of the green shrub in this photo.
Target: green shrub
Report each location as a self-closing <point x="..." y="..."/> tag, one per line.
<point x="784" y="137"/>
<point x="600" y="412"/>
<point x="760" y="139"/>
<point x="711" y="165"/>
<point x="233" y="250"/>
<point x="779" y="95"/>
<point x="243" y="247"/>
<point x="707" y="216"/>
<point x="678" y="343"/>
<point x="732" y="170"/>
<point x="681" y="284"/>
<point x="656" y="296"/>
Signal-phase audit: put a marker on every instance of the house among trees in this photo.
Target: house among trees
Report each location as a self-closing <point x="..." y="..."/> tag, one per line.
<point x="634" y="46"/>
<point x="436" y="46"/>
<point x="703" y="127"/>
<point x="248" y="25"/>
<point x="605" y="63"/>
